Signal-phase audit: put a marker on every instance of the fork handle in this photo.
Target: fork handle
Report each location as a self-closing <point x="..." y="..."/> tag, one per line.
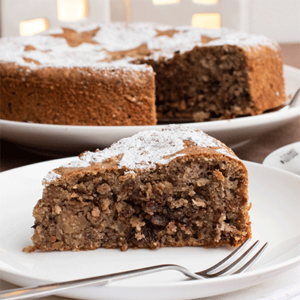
<point x="54" y="288"/>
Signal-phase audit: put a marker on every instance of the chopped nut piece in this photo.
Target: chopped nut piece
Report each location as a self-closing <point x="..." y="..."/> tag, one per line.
<point x="137" y="223"/>
<point x="103" y="188"/>
<point x="95" y="212"/>
<point x="57" y="209"/>
<point x="139" y="236"/>
<point x="199" y="202"/>
<point x="202" y="182"/>
<point x="171" y="228"/>
<point x="52" y="239"/>
<point x="192" y="193"/>
<point x="218" y="175"/>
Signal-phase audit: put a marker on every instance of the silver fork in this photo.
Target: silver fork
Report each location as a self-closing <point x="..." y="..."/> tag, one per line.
<point x="55" y="288"/>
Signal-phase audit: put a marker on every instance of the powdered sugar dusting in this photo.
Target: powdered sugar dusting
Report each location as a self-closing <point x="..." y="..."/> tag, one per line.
<point x="51" y="48"/>
<point x="147" y="149"/>
<point x="77" y="164"/>
<point x="51" y="176"/>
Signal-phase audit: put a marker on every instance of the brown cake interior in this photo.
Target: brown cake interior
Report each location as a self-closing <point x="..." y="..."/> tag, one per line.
<point x="195" y="200"/>
<point x="219" y="82"/>
<point x="211" y="81"/>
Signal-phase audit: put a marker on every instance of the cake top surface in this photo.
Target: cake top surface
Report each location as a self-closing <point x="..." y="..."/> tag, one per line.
<point x="115" y="45"/>
<point x="147" y="149"/>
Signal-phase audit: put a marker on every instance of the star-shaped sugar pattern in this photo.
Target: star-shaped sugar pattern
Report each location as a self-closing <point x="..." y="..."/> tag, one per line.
<point x="74" y="38"/>
<point x="30" y="60"/>
<point x="29" y="48"/>
<point x="206" y="39"/>
<point x="138" y="52"/>
<point x="168" y="33"/>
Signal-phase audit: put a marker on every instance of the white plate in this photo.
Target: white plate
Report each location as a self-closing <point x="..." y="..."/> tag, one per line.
<point x="286" y="158"/>
<point x="275" y="217"/>
<point x="80" y="138"/>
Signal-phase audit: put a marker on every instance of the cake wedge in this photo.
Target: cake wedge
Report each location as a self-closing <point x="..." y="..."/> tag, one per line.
<point x="161" y="188"/>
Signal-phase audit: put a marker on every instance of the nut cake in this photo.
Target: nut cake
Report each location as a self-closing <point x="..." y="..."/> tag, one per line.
<point x="103" y="74"/>
<point x="169" y="188"/>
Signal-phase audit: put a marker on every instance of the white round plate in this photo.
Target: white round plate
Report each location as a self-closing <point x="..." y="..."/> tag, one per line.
<point x="79" y="138"/>
<point x="274" y="214"/>
<point x="286" y="158"/>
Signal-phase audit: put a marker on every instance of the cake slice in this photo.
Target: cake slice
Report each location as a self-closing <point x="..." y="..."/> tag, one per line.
<point x="169" y="188"/>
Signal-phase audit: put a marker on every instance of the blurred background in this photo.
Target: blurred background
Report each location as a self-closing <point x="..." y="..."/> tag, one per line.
<point x="277" y="19"/>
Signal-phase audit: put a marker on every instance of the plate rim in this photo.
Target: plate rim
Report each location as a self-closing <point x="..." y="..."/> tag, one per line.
<point x="291" y="112"/>
<point x="277" y="151"/>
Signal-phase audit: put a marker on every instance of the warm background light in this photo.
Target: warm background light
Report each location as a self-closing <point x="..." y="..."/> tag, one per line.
<point x="208" y="20"/>
<point x="34" y="26"/>
<point x="72" y="10"/>
<point x="162" y="2"/>
<point x="206" y="1"/>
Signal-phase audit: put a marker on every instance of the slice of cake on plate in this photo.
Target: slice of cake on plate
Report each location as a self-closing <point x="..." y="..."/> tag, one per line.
<point x="167" y="188"/>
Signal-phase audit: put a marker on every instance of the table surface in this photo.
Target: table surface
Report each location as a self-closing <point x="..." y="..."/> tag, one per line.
<point x="12" y="156"/>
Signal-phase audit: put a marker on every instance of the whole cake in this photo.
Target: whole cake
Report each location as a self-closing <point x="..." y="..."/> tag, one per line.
<point x="169" y="188"/>
<point x="103" y="74"/>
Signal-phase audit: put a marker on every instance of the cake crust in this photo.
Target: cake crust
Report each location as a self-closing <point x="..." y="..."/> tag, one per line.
<point x="78" y="96"/>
